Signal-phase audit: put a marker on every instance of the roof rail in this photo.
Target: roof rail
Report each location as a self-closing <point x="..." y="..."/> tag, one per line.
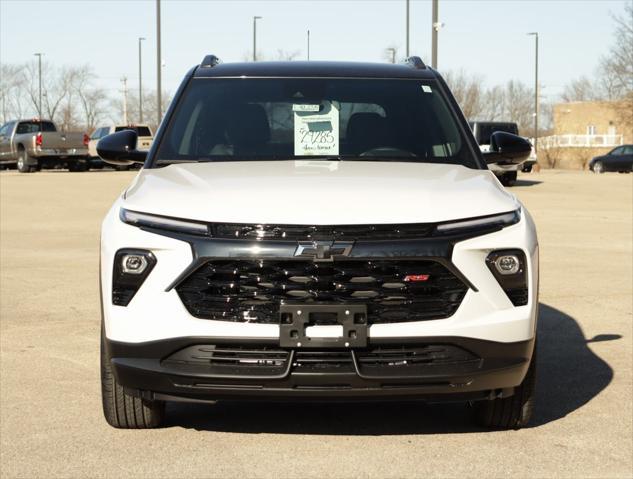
<point x="210" y="61"/>
<point x="415" y="62"/>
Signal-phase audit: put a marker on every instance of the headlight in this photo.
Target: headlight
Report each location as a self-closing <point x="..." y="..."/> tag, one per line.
<point x="163" y="222"/>
<point x="493" y="221"/>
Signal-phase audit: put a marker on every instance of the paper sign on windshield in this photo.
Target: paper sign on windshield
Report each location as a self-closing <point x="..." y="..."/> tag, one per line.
<point x="316" y="129"/>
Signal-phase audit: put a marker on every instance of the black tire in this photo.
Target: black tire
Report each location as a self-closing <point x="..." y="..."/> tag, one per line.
<point x="508" y="179"/>
<point x="23" y="162"/>
<point x="122" y="410"/>
<point x="79" y="165"/>
<point x="513" y="412"/>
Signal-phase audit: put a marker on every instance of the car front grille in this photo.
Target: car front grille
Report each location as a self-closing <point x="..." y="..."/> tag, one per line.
<point x="253" y="290"/>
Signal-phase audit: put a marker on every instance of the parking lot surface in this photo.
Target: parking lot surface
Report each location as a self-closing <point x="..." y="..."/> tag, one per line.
<point x="50" y="417"/>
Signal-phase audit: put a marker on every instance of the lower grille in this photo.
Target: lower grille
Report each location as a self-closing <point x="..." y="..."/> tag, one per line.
<point x="323" y="361"/>
<point x="383" y="361"/>
<point x="252" y="290"/>
<point x="412" y="360"/>
<point x="232" y="360"/>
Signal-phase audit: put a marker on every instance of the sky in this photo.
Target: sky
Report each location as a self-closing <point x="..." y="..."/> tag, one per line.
<point x="486" y="38"/>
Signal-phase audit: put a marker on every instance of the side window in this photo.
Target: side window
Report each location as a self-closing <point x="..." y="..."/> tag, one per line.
<point x="23" y="127"/>
<point x="4" y="130"/>
<point x="618" y="151"/>
<point x="628" y="150"/>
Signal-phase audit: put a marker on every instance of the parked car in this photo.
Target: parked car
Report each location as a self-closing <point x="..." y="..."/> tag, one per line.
<point x="144" y="133"/>
<point x="317" y="230"/>
<point x="619" y="159"/>
<point x="507" y="173"/>
<point x="34" y="144"/>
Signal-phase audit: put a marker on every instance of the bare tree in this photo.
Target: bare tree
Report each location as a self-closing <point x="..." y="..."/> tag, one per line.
<point x="519" y="105"/>
<point x="468" y="91"/>
<point x="91" y="98"/>
<point x="149" y="107"/>
<point x="12" y="101"/>
<point x="617" y="66"/>
<point x="494" y="103"/>
<point x="581" y="89"/>
<point x="284" y="55"/>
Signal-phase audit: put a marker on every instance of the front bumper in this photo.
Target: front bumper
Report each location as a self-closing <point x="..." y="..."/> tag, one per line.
<point x="487" y="369"/>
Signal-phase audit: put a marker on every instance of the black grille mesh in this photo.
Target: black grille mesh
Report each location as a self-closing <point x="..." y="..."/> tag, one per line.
<point x="252" y="290"/>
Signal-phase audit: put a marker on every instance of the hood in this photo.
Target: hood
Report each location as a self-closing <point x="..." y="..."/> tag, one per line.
<point x="318" y="192"/>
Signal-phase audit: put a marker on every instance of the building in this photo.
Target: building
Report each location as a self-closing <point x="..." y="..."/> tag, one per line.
<point x="583" y="130"/>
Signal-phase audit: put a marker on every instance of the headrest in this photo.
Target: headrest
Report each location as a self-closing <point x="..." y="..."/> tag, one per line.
<point x="366" y="130"/>
<point x="248" y="125"/>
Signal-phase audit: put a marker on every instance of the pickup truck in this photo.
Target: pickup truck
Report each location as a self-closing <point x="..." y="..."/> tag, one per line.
<point x="35" y="144"/>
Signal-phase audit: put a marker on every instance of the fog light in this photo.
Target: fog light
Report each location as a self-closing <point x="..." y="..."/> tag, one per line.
<point x="509" y="267"/>
<point x="131" y="268"/>
<point x="508" y="264"/>
<point x="133" y="264"/>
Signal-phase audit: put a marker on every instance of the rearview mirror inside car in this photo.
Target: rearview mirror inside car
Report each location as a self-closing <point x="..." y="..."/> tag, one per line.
<point x="507" y="149"/>
<point x="120" y="148"/>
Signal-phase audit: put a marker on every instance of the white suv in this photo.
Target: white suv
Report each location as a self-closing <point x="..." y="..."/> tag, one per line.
<point x="317" y="230"/>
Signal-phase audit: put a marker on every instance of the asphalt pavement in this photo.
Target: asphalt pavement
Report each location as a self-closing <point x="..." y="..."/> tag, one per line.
<point x="51" y="423"/>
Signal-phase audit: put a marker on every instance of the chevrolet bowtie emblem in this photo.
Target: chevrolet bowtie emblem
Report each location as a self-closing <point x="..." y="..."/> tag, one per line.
<point x="324" y="250"/>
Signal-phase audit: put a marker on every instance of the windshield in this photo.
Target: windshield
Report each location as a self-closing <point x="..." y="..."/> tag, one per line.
<point x="296" y="118"/>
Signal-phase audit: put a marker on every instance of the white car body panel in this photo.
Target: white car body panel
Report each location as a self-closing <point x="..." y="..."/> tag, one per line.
<point x="318" y="192"/>
<point x="304" y="192"/>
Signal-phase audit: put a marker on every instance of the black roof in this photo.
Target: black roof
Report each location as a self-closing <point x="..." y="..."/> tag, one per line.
<point x="314" y="69"/>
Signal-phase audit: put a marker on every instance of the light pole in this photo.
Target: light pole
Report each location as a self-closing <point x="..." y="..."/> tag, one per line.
<point x="393" y="54"/>
<point x="255" y="37"/>
<point x="124" y="81"/>
<point x="536" y="108"/>
<point x="435" y="28"/>
<point x="39" y="68"/>
<point x="140" y="82"/>
<point x="407" y="30"/>
<point x="159" y="65"/>
<point x="308" y="45"/>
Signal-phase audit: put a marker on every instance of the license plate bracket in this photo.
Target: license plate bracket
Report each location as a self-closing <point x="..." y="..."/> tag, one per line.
<point x="295" y="319"/>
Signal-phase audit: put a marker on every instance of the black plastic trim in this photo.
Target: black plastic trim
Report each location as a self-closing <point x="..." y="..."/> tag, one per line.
<point x="139" y="369"/>
<point x="513" y="283"/>
<point x="126" y="281"/>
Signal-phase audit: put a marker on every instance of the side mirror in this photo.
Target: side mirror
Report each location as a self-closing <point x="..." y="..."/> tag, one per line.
<point x="120" y="148"/>
<point x="507" y="149"/>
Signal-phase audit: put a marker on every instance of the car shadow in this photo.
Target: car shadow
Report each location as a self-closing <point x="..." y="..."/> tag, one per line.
<point x="569" y="376"/>
<point x="524" y="182"/>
